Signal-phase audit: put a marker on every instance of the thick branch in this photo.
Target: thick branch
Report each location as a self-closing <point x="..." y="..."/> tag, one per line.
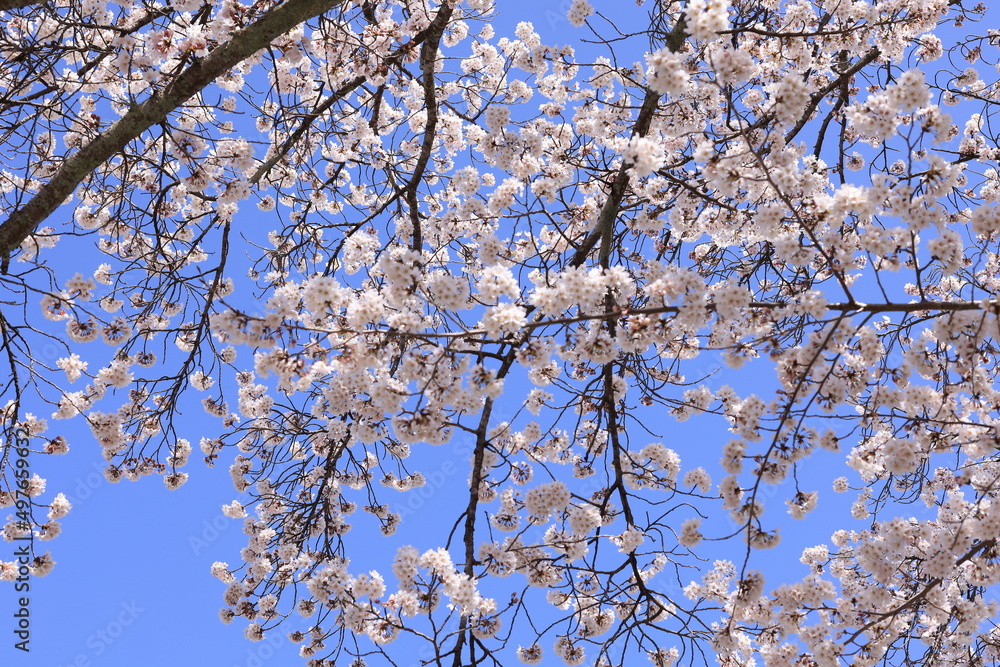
<point x="7" y="5"/>
<point x="152" y="111"/>
<point x="428" y="59"/>
<point x="604" y="230"/>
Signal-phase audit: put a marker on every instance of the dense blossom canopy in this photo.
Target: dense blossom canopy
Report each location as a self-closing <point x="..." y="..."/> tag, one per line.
<point x="359" y="232"/>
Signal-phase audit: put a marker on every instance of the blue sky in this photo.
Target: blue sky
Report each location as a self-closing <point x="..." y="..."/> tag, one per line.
<point x="132" y="583"/>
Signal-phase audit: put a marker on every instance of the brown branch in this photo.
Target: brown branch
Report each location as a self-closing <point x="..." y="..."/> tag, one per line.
<point x="604" y="230"/>
<point x="7" y="5"/>
<point x="307" y="122"/>
<point x="152" y="111"/>
<point x="845" y="76"/>
<point x="428" y="59"/>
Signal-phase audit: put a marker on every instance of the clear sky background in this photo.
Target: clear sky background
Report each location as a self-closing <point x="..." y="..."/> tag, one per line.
<point x="132" y="583"/>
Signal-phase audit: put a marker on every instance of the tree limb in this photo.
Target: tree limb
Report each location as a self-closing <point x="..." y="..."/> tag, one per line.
<point x="152" y="111"/>
<point x="604" y="229"/>
<point x="7" y="5"/>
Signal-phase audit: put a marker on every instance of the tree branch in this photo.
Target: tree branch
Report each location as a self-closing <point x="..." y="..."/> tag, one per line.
<point x="152" y="111"/>
<point x="604" y="229"/>
<point x="7" y="5"/>
<point x="428" y="59"/>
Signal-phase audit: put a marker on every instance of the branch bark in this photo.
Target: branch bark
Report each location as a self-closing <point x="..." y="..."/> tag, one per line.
<point x="428" y="59"/>
<point x="7" y="5"/>
<point x="604" y="229"/>
<point x="153" y="110"/>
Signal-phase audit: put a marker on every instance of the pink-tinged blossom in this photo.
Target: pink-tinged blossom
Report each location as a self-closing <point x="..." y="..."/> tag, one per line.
<point x="666" y="73"/>
<point x="578" y="12"/>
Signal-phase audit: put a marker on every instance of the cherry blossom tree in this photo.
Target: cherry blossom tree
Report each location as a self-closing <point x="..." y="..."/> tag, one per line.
<point x="355" y="232"/>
